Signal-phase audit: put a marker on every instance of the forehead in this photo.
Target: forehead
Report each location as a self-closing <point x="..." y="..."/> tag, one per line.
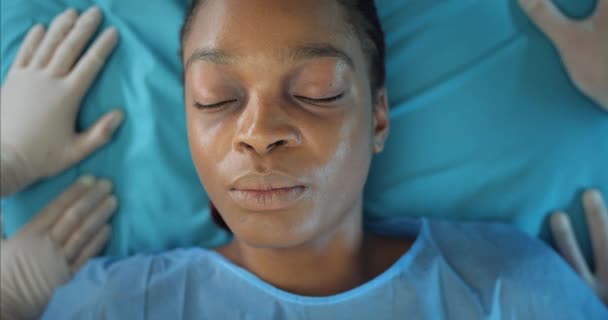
<point x="246" y="26"/>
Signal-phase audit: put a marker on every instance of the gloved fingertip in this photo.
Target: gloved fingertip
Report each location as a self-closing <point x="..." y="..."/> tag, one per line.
<point x="105" y="185"/>
<point x="116" y="119"/>
<point x="93" y="14"/>
<point x="70" y="12"/>
<point x="593" y="194"/>
<point x="113" y="202"/>
<point x="94" y="10"/>
<point x="113" y="33"/>
<point x="526" y="4"/>
<point x="87" y="180"/>
<point x="559" y="221"/>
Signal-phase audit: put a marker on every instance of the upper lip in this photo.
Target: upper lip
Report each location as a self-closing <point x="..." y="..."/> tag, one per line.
<point x="266" y="182"/>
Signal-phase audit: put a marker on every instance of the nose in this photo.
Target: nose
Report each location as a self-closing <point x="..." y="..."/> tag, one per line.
<point x="265" y="128"/>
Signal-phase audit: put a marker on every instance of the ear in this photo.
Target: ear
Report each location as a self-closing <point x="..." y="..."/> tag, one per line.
<point x="381" y="120"/>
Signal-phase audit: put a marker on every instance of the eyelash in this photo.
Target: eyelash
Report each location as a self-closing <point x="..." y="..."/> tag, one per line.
<point x="213" y="105"/>
<point x="324" y="100"/>
<point x="219" y="104"/>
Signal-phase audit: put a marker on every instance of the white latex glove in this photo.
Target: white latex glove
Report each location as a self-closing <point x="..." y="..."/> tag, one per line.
<point x="597" y="220"/>
<point x="57" y="242"/>
<point x="583" y="45"/>
<point x="41" y="97"/>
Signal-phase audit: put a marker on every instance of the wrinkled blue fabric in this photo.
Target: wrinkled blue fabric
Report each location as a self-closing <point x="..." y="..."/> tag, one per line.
<point x="452" y="271"/>
<point x="162" y="203"/>
<point x="485" y="123"/>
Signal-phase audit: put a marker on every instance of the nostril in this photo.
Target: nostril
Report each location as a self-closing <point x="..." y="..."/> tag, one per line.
<point x="247" y="146"/>
<point x="260" y="147"/>
<point x="276" y="145"/>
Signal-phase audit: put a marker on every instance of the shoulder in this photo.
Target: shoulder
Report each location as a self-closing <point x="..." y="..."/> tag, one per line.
<point x="494" y="241"/>
<point x="121" y="284"/>
<point x="501" y="249"/>
<point x="107" y="271"/>
<point x="519" y="272"/>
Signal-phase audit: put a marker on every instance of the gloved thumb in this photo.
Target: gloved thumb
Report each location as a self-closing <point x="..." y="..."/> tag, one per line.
<point x="548" y="17"/>
<point x="95" y="137"/>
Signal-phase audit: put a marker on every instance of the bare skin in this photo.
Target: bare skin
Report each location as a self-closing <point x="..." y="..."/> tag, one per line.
<point x="261" y="114"/>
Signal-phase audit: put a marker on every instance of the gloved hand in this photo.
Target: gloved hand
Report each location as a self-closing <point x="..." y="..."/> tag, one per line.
<point x="597" y="220"/>
<point x="41" y="97"/>
<point x="57" y="242"/>
<point x="583" y="45"/>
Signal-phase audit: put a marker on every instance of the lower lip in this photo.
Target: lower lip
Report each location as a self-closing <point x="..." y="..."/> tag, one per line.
<point x="267" y="200"/>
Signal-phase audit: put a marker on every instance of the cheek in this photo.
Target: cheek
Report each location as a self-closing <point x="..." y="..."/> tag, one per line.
<point x="350" y="142"/>
<point x="205" y="139"/>
<point x="344" y="170"/>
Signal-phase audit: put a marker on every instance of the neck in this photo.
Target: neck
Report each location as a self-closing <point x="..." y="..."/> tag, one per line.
<point x="332" y="263"/>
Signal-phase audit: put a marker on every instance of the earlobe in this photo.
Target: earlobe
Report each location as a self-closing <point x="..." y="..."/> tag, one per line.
<point x="381" y="120"/>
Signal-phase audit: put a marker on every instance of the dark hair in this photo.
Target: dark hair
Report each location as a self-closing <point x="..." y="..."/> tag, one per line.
<point x="362" y="17"/>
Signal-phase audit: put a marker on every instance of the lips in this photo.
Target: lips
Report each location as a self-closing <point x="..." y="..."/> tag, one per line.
<point x="267" y="192"/>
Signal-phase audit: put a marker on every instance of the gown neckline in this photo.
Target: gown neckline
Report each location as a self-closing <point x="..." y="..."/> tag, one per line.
<point x="385" y="277"/>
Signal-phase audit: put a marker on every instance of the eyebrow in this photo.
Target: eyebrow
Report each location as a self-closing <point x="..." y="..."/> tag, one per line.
<point x="308" y="51"/>
<point x="211" y="55"/>
<point x="321" y="50"/>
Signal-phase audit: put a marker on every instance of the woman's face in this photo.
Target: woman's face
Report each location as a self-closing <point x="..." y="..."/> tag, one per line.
<point x="280" y="118"/>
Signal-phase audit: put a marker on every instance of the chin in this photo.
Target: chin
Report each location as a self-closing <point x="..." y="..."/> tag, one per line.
<point x="272" y="232"/>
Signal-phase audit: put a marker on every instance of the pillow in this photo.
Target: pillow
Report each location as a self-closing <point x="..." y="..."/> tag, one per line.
<point x="485" y="123"/>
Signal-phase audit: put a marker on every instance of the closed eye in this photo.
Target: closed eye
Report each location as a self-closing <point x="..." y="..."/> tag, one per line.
<point x="213" y="105"/>
<point x="322" y="100"/>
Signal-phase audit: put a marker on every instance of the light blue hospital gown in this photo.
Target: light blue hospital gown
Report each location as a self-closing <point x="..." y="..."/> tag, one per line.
<point x="453" y="271"/>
